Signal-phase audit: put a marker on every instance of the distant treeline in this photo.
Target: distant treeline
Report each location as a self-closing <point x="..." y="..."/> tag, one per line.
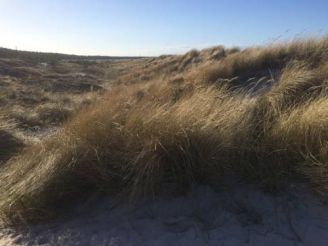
<point x="53" y="57"/>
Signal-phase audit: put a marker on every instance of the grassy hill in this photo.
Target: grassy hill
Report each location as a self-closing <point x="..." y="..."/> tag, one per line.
<point x="50" y="57"/>
<point x="260" y="114"/>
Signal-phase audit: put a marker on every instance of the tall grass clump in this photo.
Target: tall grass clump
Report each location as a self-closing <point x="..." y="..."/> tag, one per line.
<point x="135" y="146"/>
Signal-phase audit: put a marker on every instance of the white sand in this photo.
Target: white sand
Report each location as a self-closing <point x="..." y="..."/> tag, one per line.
<point x="235" y="214"/>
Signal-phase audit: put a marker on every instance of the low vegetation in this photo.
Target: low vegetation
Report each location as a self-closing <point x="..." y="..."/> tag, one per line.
<point x="260" y="114"/>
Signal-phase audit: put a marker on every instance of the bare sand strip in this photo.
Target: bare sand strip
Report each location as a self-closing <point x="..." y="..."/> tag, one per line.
<point x="234" y="214"/>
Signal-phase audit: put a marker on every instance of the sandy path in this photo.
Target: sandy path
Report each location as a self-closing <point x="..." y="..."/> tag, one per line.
<point x="232" y="215"/>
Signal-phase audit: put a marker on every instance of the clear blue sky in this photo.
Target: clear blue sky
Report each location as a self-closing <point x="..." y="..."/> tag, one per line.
<point x="154" y="27"/>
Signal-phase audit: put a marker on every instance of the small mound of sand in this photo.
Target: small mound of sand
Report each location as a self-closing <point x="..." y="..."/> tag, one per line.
<point x="234" y="214"/>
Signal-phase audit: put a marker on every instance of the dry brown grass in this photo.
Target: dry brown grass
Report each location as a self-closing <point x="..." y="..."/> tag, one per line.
<point x="45" y="95"/>
<point x="258" y="61"/>
<point x="177" y="129"/>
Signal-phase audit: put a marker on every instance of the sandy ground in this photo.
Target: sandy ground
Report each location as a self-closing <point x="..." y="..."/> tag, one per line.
<point x="233" y="214"/>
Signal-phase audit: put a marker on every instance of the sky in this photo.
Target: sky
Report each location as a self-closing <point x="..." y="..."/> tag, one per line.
<point x="150" y="28"/>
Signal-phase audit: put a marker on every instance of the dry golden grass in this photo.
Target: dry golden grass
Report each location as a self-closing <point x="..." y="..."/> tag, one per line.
<point x="258" y="61"/>
<point x="39" y="96"/>
<point x="194" y="126"/>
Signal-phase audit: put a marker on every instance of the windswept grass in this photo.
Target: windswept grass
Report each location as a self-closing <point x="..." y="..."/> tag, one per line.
<point x="268" y="61"/>
<point x="142" y="138"/>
